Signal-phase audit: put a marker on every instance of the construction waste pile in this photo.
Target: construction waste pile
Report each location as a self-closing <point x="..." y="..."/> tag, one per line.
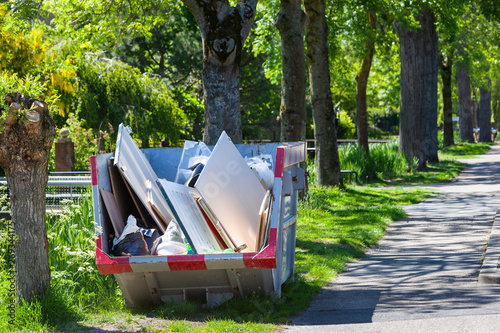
<point x="219" y="201"/>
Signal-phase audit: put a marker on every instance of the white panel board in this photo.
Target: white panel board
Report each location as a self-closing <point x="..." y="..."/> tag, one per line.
<point x="188" y="215"/>
<point x="138" y="172"/>
<point x="233" y="192"/>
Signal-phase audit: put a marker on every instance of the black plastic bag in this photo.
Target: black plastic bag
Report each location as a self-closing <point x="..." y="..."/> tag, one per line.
<point x="132" y="245"/>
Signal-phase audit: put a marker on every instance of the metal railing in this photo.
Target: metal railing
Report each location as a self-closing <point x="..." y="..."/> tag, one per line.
<point x="62" y="187"/>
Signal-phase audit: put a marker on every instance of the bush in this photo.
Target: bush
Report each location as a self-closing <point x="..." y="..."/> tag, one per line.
<point x="387" y="121"/>
<point x="112" y="92"/>
<point x="384" y="161"/>
<point x="347" y="127"/>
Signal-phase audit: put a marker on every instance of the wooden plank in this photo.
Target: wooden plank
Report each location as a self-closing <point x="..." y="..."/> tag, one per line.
<point x="264" y="211"/>
<point x="210" y="222"/>
<point x="114" y="214"/>
<point x="143" y="212"/>
<point x="119" y="189"/>
<point x="159" y="216"/>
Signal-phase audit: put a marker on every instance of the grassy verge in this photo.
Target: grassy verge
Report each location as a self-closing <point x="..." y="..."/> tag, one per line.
<point x="447" y="168"/>
<point x="465" y="150"/>
<point x="335" y="226"/>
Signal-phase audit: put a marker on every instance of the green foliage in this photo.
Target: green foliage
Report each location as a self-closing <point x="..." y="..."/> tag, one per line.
<point x="4" y="199"/>
<point x="171" y="49"/>
<point x="30" y="86"/>
<point x="111" y="92"/>
<point x="267" y="40"/>
<point x="72" y="258"/>
<point x="465" y="149"/>
<point x="85" y="143"/>
<point x="260" y="99"/>
<point x="385" y="120"/>
<point x="384" y="161"/>
<point x="77" y="287"/>
<point x="21" y="44"/>
<point x="347" y="127"/>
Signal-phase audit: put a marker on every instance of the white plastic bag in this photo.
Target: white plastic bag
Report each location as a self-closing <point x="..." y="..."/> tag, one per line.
<point x="262" y="165"/>
<point x="171" y="243"/>
<point x="130" y="228"/>
<point x="194" y="153"/>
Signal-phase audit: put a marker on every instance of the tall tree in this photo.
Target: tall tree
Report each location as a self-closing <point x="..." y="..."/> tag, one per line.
<point x="325" y="133"/>
<point x="485" y="112"/>
<point x="25" y="142"/>
<point x="465" y="112"/>
<point x="224" y="30"/>
<point x="419" y="73"/>
<point x="291" y="21"/>
<point x="446" y="69"/>
<point x="362" y="82"/>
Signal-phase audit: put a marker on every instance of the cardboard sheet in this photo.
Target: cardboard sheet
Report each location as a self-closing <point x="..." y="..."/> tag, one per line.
<point x="233" y="192"/>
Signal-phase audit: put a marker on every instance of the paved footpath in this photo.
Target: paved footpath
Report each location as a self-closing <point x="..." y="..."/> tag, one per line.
<point x="423" y="275"/>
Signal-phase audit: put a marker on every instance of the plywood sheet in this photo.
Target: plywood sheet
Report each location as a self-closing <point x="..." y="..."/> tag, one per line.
<point x="233" y="193"/>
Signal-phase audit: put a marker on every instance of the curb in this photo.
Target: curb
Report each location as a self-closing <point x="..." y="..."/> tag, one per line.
<point x="489" y="272"/>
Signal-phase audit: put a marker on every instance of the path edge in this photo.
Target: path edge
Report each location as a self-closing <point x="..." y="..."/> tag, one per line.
<point x="489" y="272"/>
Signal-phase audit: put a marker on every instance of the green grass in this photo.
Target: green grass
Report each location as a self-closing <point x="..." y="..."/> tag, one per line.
<point x="465" y="150"/>
<point x="384" y="161"/>
<point x="447" y="168"/>
<point x="335" y="226"/>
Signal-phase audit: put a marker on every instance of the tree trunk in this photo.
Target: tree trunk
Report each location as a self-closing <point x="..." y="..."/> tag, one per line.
<point x="325" y="133"/>
<point x="419" y="73"/>
<point x="446" y="73"/>
<point x="362" y="83"/>
<point x="224" y="30"/>
<point x="485" y="113"/>
<point x="291" y="21"/>
<point x="475" y="108"/>
<point x="465" y="112"/>
<point x="24" y="153"/>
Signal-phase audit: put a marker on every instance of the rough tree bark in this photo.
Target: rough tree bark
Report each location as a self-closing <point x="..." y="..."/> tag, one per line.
<point x="291" y="21"/>
<point x="475" y="109"/>
<point x="419" y="73"/>
<point x="25" y="143"/>
<point x="325" y="133"/>
<point x="362" y="83"/>
<point x="465" y="114"/>
<point x="224" y="30"/>
<point x="485" y="113"/>
<point x="446" y="67"/>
